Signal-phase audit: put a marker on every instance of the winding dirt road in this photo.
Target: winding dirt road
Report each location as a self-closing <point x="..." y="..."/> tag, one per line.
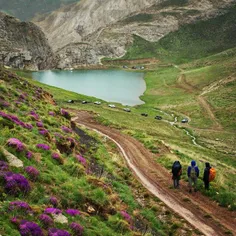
<point x="198" y="210"/>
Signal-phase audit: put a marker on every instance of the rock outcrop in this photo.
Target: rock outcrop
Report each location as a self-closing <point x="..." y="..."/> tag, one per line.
<point x="23" y="45"/>
<point x="83" y="33"/>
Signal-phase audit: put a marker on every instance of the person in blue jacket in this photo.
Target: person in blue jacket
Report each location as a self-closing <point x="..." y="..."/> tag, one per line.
<point x="193" y="174"/>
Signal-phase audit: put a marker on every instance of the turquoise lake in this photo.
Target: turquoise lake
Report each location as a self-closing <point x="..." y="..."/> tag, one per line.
<point x="110" y="85"/>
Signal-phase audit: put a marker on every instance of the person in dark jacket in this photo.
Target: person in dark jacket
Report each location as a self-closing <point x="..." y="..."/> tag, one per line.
<point x="193" y="174"/>
<point x="206" y="175"/>
<point x="176" y="173"/>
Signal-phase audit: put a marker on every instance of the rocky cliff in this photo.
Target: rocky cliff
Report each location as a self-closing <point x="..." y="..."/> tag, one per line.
<point x="85" y="32"/>
<point x="23" y="45"/>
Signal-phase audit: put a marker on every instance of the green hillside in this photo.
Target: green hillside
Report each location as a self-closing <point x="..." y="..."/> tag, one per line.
<point x="25" y="10"/>
<point x="190" y="42"/>
<point x="57" y="178"/>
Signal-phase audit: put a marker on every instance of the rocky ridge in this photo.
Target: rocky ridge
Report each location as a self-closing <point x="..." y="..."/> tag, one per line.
<point x="23" y="45"/>
<point x="96" y="29"/>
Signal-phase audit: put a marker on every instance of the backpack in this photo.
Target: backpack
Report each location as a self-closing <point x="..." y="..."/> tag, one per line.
<point x="193" y="174"/>
<point x="176" y="169"/>
<point x="212" y="174"/>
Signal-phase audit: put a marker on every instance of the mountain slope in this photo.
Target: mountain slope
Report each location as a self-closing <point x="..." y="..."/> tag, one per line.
<point x="79" y="37"/>
<point x="23" y="45"/>
<point x="191" y="41"/>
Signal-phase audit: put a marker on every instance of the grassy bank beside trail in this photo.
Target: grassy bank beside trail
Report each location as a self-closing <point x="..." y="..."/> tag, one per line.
<point x="166" y="96"/>
<point x="67" y="178"/>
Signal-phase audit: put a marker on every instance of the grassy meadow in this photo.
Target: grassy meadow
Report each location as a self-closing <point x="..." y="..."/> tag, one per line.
<point x="81" y="177"/>
<point x="166" y="97"/>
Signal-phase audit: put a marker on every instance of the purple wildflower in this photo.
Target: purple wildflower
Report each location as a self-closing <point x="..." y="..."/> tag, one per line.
<point x="32" y="172"/>
<point x="29" y="155"/>
<point x="14" y="220"/>
<point x="43" y="146"/>
<point x="53" y="201"/>
<point x="58" y="136"/>
<point x="19" y="205"/>
<point x="34" y="114"/>
<point x="66" y="129"/>
<point x="76" y="228"/>
<point x="72" y="212"/>
<point x="4" y="103"/>
<point x="23" y="96"/>
<point x="17" y="102"/>
<point x="16" y="143"/>
<point x="16" y="183"/>
<point x="57" y="232"/>
<point x="125" y="215"/>
<point x="46" y="220"/>
<point x="43" y="132"/>
<point x="55" y="155"/>
<point x="81" y="159"/>
<point x="71" y="140"/>
<point x="28" y="126"/>
<point x="51" y="210"/>
<point x="65" y="114"/>
<point x="15" y="120"/>
<point x="3" y="166"/>
<point x="28" y="228"/>
<point x="51" y="113"/>
<point x="39" y="124"/>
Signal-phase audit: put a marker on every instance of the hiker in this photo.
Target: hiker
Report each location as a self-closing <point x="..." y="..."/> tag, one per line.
<point x="206" y="175"/>
<point x="176" y="173"/>
<point x="193" y="174"/>
<point x="209" y="175"/>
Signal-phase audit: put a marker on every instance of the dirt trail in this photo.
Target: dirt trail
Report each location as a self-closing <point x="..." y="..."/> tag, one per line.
<point x="198" y="210"/>
<point x="182" y="83"/>
<point x="202" y="101"/>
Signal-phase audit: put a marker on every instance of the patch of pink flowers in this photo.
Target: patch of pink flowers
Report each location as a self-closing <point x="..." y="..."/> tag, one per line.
<point x="4" y="103"/>
<point x="43" y="132"/>
<point x="55" y="155"/>
<point x="29" y="155"/>
<point x="81" y="159"/>
<point x="51" y="210"/>
<point x="126" y="216"/>
<point x="66" y="129"/>
<point x="15" y="120"/>
<point x="53" y="201"/>
<point x="34" y="114"/>
<point x="76" y="228"/>
<point x="16" y="143"/>
<point x="39" y="124"/>
<point x="72" y="212"/>
<point x="51" y="113"/>
<point x="19" y="205"/>
<point x="32" y="172"/>
<point x="16" y="183"/>
<point x="57" y="232"/>
<point x="46" y="220"/>
<point x="3" y="166"/>
<point x="43" y="146"/>
<point x="65" y="114"/>
<point x="28" y="228"/>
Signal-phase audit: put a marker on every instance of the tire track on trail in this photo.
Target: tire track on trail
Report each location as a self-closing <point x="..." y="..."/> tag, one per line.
<point x="158" y="180"/>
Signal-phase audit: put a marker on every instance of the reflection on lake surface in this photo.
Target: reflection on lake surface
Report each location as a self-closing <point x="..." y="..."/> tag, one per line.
<point x="109" y="85"/>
